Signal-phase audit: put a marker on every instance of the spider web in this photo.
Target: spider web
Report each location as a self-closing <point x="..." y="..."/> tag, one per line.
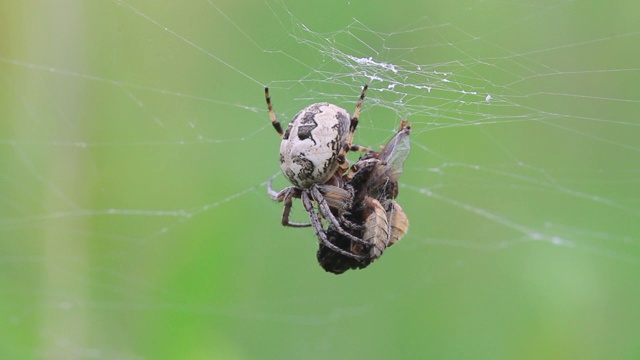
<point x="138" y="145"/>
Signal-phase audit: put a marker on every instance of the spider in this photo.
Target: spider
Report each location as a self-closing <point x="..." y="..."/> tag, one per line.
<point x="313" y="158"/>
<point x="374" y="179"/>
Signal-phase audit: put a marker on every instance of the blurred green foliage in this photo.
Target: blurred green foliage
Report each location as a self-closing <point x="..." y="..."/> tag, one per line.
<point x="136" y="145"/>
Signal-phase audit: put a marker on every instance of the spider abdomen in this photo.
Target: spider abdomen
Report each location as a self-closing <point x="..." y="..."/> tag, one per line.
<point x="312" y="142"/>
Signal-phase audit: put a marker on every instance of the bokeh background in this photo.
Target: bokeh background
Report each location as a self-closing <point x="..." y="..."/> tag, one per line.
<point x="135" y="146"/>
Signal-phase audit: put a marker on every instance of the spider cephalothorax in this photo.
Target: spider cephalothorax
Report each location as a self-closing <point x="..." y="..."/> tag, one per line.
<point x="374" y="182"/>
<point x="312" y="157"/>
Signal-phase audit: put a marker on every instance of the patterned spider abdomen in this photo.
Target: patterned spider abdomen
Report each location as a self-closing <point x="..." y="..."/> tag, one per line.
<point x="312" y="142"/>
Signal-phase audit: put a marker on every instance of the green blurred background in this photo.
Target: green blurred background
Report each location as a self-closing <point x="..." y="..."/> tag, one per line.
<point x="135" y="146"/>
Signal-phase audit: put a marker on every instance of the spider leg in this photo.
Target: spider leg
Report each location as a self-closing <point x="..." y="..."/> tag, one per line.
<point x="272" y="115"/>
<point x="356" y="113"/>
<point x="339" y="197"/>
<point x="355" y="147"/>
<point x="272" y="193"/>
<point x="352" y="127"/>
<point x="350" y="224"/>
<point x="320" y="232"/>
<point x="325" y="210"/>
<point x="288" y="202"/>
<point x="286" y="195"/>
